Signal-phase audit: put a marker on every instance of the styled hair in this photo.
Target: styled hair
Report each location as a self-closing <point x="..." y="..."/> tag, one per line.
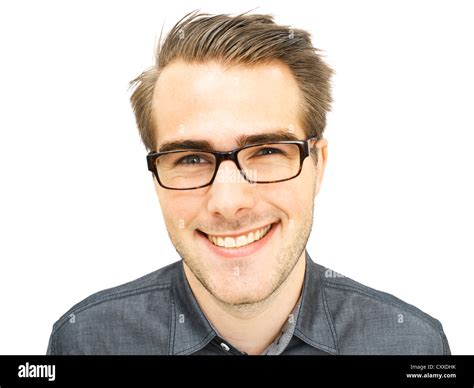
<point x="245" y="39"/>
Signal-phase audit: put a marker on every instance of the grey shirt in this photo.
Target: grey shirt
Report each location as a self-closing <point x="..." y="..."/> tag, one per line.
<point x="158" y="314"/>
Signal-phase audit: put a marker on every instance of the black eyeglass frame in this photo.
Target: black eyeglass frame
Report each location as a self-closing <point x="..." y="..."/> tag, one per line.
<point x="303" y="146"/>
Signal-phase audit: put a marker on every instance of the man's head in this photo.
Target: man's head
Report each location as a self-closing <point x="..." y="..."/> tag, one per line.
<point x="220" y="80"/>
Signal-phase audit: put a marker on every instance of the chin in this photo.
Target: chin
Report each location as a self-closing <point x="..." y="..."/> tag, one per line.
<point x="241" y="293"/>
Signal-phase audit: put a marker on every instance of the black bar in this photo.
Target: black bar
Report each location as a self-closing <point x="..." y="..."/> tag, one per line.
<point x="304" y="371"/>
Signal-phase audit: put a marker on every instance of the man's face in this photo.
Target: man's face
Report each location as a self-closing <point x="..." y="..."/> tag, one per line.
<point x="219" y="105"/>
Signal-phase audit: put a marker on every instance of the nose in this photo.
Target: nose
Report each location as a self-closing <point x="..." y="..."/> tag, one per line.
<point x="230" y="193"/>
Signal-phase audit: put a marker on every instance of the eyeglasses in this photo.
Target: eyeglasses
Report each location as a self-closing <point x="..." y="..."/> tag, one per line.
<point x="258" y="163"/>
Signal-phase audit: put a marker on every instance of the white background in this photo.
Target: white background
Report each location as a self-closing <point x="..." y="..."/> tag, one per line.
<point x="78" y="211"/>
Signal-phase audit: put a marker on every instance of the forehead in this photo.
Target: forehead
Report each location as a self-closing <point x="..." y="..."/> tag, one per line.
<point x="211" y="101"/>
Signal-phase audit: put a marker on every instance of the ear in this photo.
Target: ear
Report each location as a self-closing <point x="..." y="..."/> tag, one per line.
<point x="322" y="150"/>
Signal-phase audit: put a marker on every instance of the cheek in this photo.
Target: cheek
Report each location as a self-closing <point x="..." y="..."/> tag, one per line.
<point x="294" y="197"/>
<point x="179" y="208"/>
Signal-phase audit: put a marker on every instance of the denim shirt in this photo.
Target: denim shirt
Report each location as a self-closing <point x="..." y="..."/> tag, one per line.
<point x="158" y="314"/>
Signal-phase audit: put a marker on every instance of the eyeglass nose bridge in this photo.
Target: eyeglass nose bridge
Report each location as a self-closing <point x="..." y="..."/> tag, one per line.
<point x="222" y="156"/>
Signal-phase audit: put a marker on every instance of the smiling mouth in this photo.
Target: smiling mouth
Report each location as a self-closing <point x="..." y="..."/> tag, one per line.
<point x="239" y="240"/>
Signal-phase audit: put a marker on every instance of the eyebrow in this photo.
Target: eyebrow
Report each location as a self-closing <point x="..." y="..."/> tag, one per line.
<point x="242" y="141"/>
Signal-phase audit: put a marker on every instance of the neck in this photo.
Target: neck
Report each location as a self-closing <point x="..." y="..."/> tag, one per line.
<point x="253" y="328"/>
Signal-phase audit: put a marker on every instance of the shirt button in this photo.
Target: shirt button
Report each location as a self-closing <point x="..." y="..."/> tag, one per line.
<point x="225" y="346"/>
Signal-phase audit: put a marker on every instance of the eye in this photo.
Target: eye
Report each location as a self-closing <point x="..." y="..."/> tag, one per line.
<point x="268" y="151"/>
<point x="192" y="160"/>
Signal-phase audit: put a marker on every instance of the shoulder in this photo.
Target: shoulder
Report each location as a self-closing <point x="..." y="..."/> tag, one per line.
<point x="135" y="308"/>
<point x="368" y="321"/>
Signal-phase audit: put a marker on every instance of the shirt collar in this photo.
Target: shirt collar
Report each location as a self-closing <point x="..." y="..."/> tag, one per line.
<point x="281" y="342"/>
<point x="191" y="331"/>
<point x="314" y="325"/>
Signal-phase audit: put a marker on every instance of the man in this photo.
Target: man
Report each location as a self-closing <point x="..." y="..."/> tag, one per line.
<point x="233" y="114"/>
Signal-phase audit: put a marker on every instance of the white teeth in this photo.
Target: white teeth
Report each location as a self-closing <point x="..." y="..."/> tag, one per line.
<point x="250" y="238"/>
<point x="229" y="242"/>
<point x="239" y="241"/>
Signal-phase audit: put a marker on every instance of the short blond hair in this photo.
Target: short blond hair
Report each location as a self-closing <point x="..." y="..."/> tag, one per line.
<point x="236" y="40"/>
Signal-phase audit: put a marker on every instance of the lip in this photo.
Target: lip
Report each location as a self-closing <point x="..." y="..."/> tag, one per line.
<point x="246" y="250"/>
